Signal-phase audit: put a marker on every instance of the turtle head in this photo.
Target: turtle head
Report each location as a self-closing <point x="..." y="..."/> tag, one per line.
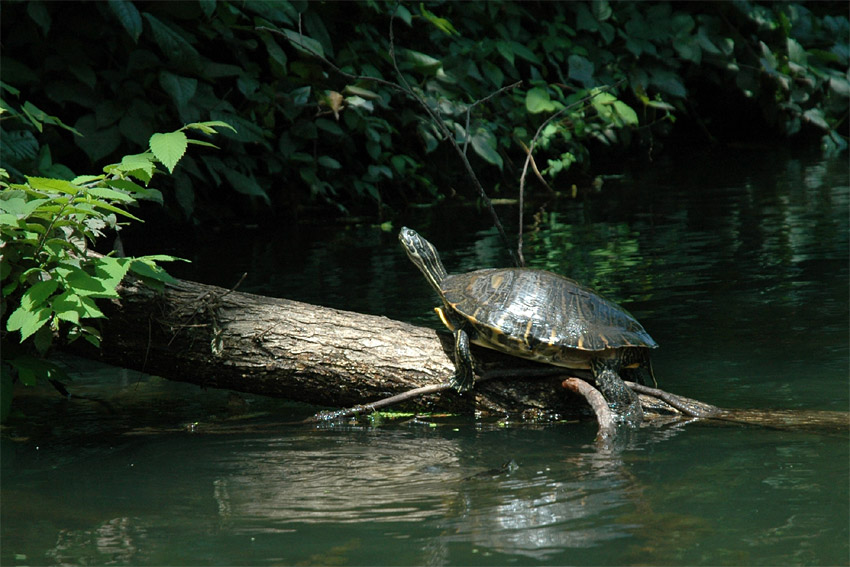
<point x="423" y="254"/>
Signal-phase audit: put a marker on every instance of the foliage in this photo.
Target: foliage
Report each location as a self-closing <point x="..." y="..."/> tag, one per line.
<point x="51" y="278"/>
<point x="310" y="133"/>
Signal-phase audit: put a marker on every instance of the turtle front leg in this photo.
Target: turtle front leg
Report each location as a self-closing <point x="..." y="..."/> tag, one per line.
<point x="464" y="375"/>
<point x="623" y="400"/>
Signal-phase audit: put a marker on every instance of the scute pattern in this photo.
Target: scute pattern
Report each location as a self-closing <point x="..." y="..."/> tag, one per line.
<point x="534" y="310"/>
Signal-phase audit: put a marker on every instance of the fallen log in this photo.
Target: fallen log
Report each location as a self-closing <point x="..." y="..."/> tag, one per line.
<point x="220" y="338"/>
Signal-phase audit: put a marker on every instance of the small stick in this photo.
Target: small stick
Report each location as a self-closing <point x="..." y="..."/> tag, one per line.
<point x="375" y="406"/>
<point x="398" y="398"/>
<point x="687" y="406"/>
<point x="604" y="415"/>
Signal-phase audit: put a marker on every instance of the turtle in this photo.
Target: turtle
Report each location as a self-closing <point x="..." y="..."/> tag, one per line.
<point x="537" y="315"/>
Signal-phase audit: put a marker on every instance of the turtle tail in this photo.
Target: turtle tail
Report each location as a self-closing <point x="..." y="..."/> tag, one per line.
<point x="423" y="254"/>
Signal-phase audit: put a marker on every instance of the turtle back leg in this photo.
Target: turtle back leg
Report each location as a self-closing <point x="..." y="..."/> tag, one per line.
<point x="464" y="375"/>
<point x="622" y="399"/>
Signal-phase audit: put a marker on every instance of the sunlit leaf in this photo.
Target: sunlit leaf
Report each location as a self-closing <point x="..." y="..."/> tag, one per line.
<point x="169" y="148"/>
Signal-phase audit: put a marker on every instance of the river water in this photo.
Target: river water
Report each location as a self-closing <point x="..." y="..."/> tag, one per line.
<point x="736" y="263"/>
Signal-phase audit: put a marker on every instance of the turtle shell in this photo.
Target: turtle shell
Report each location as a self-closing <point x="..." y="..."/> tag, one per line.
<point x="539" y="314"/>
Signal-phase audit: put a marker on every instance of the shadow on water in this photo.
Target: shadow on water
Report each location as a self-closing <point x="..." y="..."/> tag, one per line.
<point x="738" y="267"/>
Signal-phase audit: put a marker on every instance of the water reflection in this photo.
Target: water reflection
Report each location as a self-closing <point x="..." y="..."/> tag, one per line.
<point x="571" y="504"/>
<point x="356" y="478"/>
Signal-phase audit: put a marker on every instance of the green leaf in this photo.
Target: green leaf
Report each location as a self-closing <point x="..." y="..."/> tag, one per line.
<point x="537" y="100"/>
<point x="111" y="272"/>
<point x="160" y="258"/>
<point x="422" y="62"/>
<point x="96" y="142"/>
<point x="209" y="127"/>
<point x="329" y="127"/>
<point x="181" y="89"/>
<point x="51" y="185"/>
<point x="626" y="113"/>
<point x="169" y="148"/>
<point x="329" y="163"/>
<point x="361" y="92"/>
<point x="484" y="144"/>
<point x="524" y="52"/>
<point x="505" y="49"/>
<point x="403" y="14"/>
<point x="28" y="322"/>
<point x="242" y="130"/>
<point x="140" y="166"/>
<point x="40" y="15"/>
<point x="80" y="282"/>
<point x="36" y="295"/>
<point x="245" y="184"/>
<point x="303" y="43"/>
<point x="581" y="69"/>
<point x="441" y="24"/>
<point x="117" y="211"/>
<point x="129" y="17"/>
<point x="19" y="207"/>
<point x="146" y="268"/>
<point x="83" y="306"/>
<point x="274" y="50"/>
<point x="172" y="44"/>
<point x="31" y="368"/>
<point x="110" y="194"/>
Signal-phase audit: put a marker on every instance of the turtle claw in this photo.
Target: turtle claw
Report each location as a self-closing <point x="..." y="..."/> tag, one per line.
<point x="462" y="381"/>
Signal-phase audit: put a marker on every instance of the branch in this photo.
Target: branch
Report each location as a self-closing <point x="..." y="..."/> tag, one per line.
<point x="604" y="415"/>
<point x="687" y="406"/>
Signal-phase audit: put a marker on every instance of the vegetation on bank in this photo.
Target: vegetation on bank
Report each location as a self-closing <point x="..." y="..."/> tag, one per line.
<point x="353" y="105"/>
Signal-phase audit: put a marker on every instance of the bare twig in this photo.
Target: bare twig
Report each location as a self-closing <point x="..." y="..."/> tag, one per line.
<point x="481" y="101"/>
<point x="375" y="406"/>
<point x="530" y="152"/>
<point x="534" y="167"/>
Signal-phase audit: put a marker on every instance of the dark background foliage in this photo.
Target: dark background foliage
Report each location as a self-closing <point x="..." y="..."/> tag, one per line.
<point x="315" y="134"/>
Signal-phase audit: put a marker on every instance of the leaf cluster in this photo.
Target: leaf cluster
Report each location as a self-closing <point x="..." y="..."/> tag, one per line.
<point x="327" y="97"/>
<point x="51" y="277"/>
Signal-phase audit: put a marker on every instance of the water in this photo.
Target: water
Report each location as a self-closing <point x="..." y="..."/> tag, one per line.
<point x="737" y="264"/>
